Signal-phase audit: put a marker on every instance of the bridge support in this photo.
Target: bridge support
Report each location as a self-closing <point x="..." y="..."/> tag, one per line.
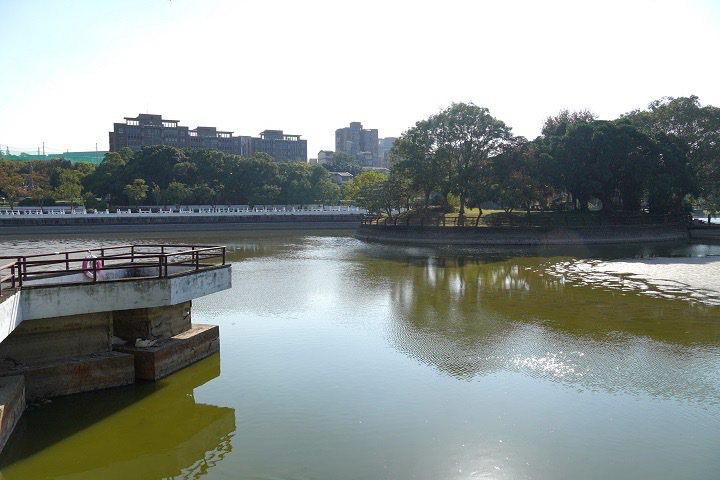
<point x="65" y="334"/>
<point x="163" y="340"/>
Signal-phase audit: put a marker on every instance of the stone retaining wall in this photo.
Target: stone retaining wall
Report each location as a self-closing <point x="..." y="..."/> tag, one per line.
<point x="28" y="224"/>
<point x="522" y="235"/>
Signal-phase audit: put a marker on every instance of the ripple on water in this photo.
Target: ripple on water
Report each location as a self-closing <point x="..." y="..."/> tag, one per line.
<point x="692" y="279"/>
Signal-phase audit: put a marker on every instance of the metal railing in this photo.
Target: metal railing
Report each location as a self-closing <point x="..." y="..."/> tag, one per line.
<point x="94" y="265"/>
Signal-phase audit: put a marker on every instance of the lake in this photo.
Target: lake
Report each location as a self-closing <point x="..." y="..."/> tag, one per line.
<point x="346" y="360"/>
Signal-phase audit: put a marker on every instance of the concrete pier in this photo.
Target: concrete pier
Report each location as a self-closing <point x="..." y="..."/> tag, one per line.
<point x="65" y="330"/>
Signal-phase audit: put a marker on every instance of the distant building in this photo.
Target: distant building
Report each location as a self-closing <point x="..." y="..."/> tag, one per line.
<point x="150" y="129"/>
<point x="324" y="157"/>
<point x="341" y="178"/>
<point x="384" y="147"/>
<point x="282" y="147"/>
<point x="359" y="142"/>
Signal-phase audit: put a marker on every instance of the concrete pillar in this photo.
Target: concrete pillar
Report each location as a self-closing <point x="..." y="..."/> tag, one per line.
<point x="12" y="405"/>
<point x="152" y="323"/>
<point x="174" y="342"/>
<point x="65" y="355"/>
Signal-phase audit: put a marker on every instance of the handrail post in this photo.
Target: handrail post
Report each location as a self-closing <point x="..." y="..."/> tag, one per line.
<point x="132" y="253"/>
<point x="94" y="265"/>
<point x="160" y="266"/>
<point x="67" y="261"/>
<point x="197" y="260"/>
<point x="223" y="255"/>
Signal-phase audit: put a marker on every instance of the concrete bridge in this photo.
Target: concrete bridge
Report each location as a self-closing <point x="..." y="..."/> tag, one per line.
<point x="85" y="320"/>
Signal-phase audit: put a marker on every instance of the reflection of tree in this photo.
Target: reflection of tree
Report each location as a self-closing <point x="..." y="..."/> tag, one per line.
<point x="149" y="430"/>
<point x="468" y="318"/>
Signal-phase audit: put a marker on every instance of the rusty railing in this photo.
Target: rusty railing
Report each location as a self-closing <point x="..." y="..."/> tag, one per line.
<point x="96" y="264"/>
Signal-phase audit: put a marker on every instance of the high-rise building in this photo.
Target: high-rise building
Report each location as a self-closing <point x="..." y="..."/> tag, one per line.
<point x="384" y="147"/>
<point x="359" y="142"/>
<point x="149" y="129"/>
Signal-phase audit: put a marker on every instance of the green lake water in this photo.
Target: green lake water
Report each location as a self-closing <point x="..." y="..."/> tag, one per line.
<point x="346" y="360"/>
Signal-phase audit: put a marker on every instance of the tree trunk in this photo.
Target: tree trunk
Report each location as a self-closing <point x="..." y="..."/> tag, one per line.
<point x="461" y="216"/>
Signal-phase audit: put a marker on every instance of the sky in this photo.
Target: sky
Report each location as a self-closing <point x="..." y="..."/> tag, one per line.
<point x="70" y="69"/>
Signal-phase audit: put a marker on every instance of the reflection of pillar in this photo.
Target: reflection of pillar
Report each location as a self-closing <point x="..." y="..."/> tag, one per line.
<point x="149" y="430"/>
<point x="162" y="339"/>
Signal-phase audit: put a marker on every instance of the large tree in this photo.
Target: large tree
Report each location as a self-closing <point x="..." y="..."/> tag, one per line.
<point x="468" y="136"/>
<point x="415" y="157"/>
<point x="618" y="164"/>
<point x="698" y="129"/>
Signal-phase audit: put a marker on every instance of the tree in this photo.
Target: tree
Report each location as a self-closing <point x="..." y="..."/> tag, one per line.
<point x="558" y="124"/>
<point x="468" y="137"/>
<point x="354" y="188"/>
<point x="697" y="127"/>
<point x="254" y="180"/>
<point x="414" y="156"/>
<point x="324" y="191"/>
<point x="176" y="193"/>
<point x="69" y="187"/>
<point x="156" y="164"/>
<point x="109" y="177"/>
<point x="295" y="184"/>
<point x="12" y="184"/>
<point x="327" y="192"/>
<point x="343" y="162"/>
<point x="136" y="191"/>
<point x="516" y="178"/>
<point x="201" y="193"/>
<point x="619" y="165"/>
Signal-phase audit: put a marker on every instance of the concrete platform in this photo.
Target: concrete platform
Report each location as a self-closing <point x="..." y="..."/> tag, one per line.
<point x="66" y="376"/>
<point x="12" y="405"/>
<point x="174" y="353"/>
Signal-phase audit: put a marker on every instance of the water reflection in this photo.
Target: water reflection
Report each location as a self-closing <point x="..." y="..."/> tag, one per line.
<point x="148" y="430"/>
<point x="468" y="316"/>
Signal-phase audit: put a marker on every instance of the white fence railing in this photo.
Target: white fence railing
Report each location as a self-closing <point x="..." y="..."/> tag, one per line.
<point x="191" y="210"/>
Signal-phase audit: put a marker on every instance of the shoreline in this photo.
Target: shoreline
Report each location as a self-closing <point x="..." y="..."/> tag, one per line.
<point x="525" y="236"/>
<point x="175" y="223"/>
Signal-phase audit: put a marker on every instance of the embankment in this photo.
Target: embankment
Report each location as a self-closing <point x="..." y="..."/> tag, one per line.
<point x="21" y="225"/>
<point x="667" y="232"/>
<point x="705" y="232"/>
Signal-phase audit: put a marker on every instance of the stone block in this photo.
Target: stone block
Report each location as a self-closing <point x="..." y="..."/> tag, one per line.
<point x="12" y="405"/>
<point x="156" y="322"/>
<point x="172" y="354"/>
<point x="70" y="375"/>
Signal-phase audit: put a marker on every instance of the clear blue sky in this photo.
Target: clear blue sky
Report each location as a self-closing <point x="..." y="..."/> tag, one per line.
<point x="69" y="69"/>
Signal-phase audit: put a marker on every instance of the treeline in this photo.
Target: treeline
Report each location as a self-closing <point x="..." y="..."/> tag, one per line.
<point x="162" y="175"/>
<point x="42" y="182"/>
<point x="659" y="160"/>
